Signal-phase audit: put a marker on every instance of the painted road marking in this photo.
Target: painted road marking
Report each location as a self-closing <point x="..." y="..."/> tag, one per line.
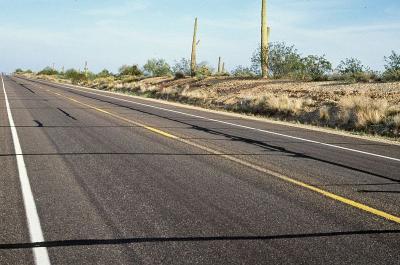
<point x="237" y="125"/>
<point x="304" y="185"/>
<point x="35" y="230"/>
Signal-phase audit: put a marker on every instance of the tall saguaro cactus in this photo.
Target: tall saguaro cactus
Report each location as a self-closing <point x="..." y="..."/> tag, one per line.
<point x="193" y="64"/>
<point x="86" y="69"/>
<point x="265" y="30"/>
<point x="219" y="65"/>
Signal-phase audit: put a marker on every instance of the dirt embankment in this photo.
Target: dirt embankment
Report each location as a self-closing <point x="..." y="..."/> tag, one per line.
<point x="372" y="108"/>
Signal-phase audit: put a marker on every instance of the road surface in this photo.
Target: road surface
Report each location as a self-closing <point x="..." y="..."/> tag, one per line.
<point x="90" y="177"/>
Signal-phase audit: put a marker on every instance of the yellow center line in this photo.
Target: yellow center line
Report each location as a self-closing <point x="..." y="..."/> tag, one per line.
<point x="304" y="185"/>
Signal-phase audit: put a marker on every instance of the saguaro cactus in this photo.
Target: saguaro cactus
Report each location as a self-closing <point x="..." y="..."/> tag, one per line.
<point x="86" y="69"/>
<point x="264" y="39"/>
<point x="223" y="68"/>
<point x="219" y="65"/>
<point x="193" y="64"/>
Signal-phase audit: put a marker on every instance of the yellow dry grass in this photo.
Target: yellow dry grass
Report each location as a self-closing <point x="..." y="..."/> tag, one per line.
<point x="284" y="103"/>
<point x="362" y="111"/>
<point x="396" y="121"/>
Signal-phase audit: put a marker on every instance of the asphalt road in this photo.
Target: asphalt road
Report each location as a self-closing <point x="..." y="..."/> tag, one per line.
<point x="122" y="180"/>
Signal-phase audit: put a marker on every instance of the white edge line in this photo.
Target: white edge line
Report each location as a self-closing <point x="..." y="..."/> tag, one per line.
<point x="237" y="125"/>
<point x="35" y="230"/>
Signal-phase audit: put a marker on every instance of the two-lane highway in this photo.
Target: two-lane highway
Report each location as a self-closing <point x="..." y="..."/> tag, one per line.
<point x="123" y="180"/>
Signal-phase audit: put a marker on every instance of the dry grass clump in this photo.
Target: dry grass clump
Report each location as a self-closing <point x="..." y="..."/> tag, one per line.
<point x="361" y="111"/>
<point x="324" y="113"/>
<point x="285" y="104"/>
<point x="393" y="110"/>
<point x="396" y="122"/>
<point x="148" y="88"/>
<point x="103" y="83"/>
<point x="271" y="104"/>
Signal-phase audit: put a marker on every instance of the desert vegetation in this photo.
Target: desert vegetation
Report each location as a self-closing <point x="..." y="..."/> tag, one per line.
<point x="284" y="63"/>
<point x="303" y="89"/>
<point x="360" y="107"/>
<point x="280" y="82"/>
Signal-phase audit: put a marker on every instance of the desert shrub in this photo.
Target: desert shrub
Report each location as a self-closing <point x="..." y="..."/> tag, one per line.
<point x="350" y="66"/>
<point x="130" y="70"/>
<point x="369" y="76"/>
<point x="352" y="70"/>
<point x="204" y="70"/>
<point x="359" y="112"/>
<point x="21" y="71"/>
<point x="90" y="75"/>
<point x="104" y="73"/>
<point x="391" y="75"/>
<point x="179" y="75"/>
<point x="48" y="71"/>
<point x="182" y="66"/>
<point x="75" y="76"/>
<point x="361" y="77"/>
<point x="392" y="62"/>
<point x="284" y="61"/>
<point x="315" y="68"/>
<point x="256" y="62"/>
<point x="241" y="71"/>
<point x="392" y="67"/>
<point x="157" y="67"/>
<point x="224" y="74"/>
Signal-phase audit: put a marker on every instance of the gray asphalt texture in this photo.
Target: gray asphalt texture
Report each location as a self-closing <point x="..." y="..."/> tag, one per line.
<point x="110" y="192"/>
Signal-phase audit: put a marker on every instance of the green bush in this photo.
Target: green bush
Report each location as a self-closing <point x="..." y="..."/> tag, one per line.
<point x="351" y="66"/>
<point x="360" y="77"/>
<point x="157" y="67"/>
<point x="368" y="76"/>
<point x="283" y="61"/>
<point x="204" y="69"/>
<point x="48" y="71"/>
<point x="182" y="66"/>
<point x="90" y="75"/>
<point x="393" y="75"/>
<point x="104" y="73"/>
<point x="392" y="67"/>
<point x="130" y="70"/>
<point x="315" y="68"/>
<point x="20" y="71"/>
<point x="392" y="62"/>
<point x="352" y="70"/>
<point x="241" y="71"/>
<point x="75" y="76"/>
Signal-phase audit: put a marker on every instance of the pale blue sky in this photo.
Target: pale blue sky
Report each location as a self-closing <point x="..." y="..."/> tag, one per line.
<point x="37" y="33"/>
